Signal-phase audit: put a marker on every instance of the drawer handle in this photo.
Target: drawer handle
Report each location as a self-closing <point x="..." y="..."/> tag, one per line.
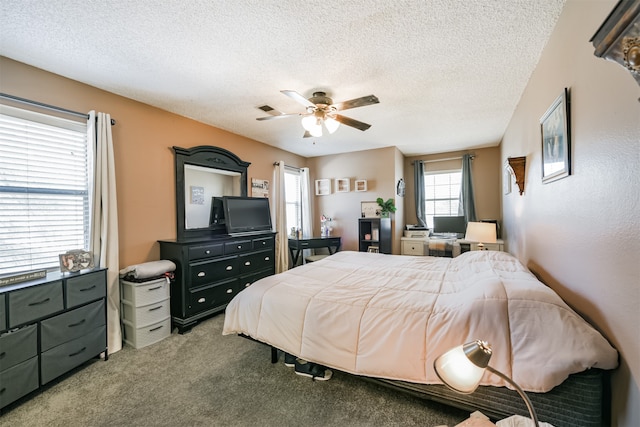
<point x="78" y="352"/>
<point x="155" y="289"/>
<point x="156" y="328"/>
<point x="201" y="300"/>
<point x="207" y="252"/>
<point x="229" y="267"/>
<point x="247" y="263"/>
<point x="246" y="285"/>
<point x="239" y="246"/>
<point x="88" y="289"/>
<point x="76" y="324"/>
<point x="39" y="302"/>
<point x="155" y="308"/>
<point x="264" y="243"/>
<point x="202" y="274"/>
<point x="267" y="258"/>
<point x="229" y="291"/>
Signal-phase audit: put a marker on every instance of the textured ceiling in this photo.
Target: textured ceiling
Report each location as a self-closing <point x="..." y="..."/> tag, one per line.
<point x="448" y="73"/>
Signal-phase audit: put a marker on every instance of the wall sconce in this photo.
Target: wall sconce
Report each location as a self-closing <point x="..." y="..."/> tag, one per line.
<point x="517" y="167"/>
<point x="618" y="38"/>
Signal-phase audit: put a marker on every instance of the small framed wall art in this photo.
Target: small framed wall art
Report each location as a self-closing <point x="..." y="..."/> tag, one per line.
<point x="361" y="185"/>
<point x="323" y="187"/>
<point x="370" y="209"/>
<point x="343" y="185"/>
<point x="556" y="135"/>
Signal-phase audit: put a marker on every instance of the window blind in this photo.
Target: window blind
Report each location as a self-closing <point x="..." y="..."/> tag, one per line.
<point x="45" y="181"/>
<point x="442" y="193"/>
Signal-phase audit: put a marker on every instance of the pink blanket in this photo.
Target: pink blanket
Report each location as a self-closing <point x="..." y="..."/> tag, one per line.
<point x="390" y="316"/>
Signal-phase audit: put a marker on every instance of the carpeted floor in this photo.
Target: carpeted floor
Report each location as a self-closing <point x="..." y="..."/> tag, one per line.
<point x="205" y="379"/>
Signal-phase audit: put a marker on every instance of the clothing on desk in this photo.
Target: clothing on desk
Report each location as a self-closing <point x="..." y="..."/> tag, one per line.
<point x="444" y="247"/>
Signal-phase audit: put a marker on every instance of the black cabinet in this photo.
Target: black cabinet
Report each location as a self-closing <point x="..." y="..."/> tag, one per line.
<point x="210" y="272"/>
<point x="374" y="233"/>
<point x="48" y="327"/>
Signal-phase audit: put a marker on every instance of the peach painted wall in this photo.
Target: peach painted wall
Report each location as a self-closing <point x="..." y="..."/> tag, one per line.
<point x="143" y="137"/>
<point x="581" y="234"/>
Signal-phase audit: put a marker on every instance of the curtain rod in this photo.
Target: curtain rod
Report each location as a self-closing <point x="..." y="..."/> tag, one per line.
<point x="287" y="166"/>
<point x="473" y="156"/>
<point x="47" y="106"/>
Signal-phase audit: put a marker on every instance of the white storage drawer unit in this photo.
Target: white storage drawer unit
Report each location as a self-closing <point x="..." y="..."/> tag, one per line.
<point x="145" y="311"/>
<point x="413" y="246"/>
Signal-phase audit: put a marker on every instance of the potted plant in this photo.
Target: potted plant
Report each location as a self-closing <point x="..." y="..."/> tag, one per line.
<point x="386" y="208"/>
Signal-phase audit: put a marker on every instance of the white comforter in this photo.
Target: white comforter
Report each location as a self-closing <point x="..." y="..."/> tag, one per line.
<point x="390" y="316"/>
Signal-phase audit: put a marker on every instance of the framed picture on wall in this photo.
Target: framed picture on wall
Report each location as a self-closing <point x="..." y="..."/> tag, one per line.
<point x="343" y="185"/>
<point x="556" y="141"/>
<point x="323" y="187"/>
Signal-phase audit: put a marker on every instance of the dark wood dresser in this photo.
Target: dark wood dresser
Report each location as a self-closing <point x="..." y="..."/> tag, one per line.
<point x="211" y="271"/>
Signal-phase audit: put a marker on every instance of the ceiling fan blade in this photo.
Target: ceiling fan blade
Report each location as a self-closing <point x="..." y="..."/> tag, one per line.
<point x="279" y="116"/>
<point x="358" y="102"/>
<point x="352" y="122"/>
<point x="298" y="98"/>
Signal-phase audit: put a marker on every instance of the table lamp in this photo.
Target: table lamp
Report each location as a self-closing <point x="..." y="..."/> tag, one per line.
<point x="481" y="232"/>
<point x="462" y="367"/>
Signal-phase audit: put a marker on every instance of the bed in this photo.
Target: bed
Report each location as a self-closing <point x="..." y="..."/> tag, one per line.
<point x="387" y="317"/>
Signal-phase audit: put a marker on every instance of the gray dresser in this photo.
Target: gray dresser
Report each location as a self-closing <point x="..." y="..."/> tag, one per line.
<point x="48" y="327"/>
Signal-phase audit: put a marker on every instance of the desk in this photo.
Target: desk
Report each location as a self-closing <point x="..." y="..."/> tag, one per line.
<point x="296" y="246"/>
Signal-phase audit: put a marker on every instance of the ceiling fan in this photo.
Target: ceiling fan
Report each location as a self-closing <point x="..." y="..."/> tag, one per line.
<point x="320" y="110"/>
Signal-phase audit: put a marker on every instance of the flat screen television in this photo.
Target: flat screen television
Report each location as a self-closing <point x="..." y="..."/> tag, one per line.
<point x="246" y="214"/>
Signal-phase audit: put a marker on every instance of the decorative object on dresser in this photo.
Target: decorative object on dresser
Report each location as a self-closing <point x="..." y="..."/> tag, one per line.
<point x="212" y="265"/>
<point x="144" y="304"/>
<point x="379" y="231"/>
<point x="618" y="38"/>
<point x="49" y="326"/>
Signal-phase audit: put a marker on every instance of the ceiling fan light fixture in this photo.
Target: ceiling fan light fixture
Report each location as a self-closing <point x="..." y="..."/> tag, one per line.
<point x="331" y="124"/>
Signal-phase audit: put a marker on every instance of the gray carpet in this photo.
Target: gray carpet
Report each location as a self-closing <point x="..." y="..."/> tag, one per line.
<point x="205" y="379"/>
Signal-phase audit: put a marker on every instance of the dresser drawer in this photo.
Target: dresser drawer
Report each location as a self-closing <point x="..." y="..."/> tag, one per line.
<point x="35" y="302"/>
<point x="67" y="356"/>
<point x="263" y="243"/>
<point x="205" y="251"/>
<point x="144" y="293"/>
<point x="3" y="314"/>
<point x="18" y="380"/>
<point x="70" y="325"/>
<point x="146" y="314"/>
<point x="203" y="273"/>
<point x="237" y="246"/>
<point x="212" y="296"/>
<point x="413" y="247"/>
<point x="18" y="346"/>
<point x="140" y="337"/>
<point x="247" y="279"/>
<point x="85" y="288"/>
<point x="256" y="261"/>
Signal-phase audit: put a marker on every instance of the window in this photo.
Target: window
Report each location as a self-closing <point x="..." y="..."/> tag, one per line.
<point x="442" y="194"/>
<point x="293" y="196"/>
<point x="45" y="181"/>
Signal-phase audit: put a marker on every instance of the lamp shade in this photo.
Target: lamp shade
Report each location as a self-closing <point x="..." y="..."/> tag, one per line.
<point x="312" y="124"/>
<point x="483" y="232"/>
<point x="462" y="367"/>
<point x="331" y="124"/>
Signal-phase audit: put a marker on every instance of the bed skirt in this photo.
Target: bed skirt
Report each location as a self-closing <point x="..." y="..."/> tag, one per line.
<point x="578" y="402"/>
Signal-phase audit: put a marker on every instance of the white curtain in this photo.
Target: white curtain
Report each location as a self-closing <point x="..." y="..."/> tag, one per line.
<point x="279" y="215"/>
<point x="305" y="201"/>
<point x="104" y="241"/>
